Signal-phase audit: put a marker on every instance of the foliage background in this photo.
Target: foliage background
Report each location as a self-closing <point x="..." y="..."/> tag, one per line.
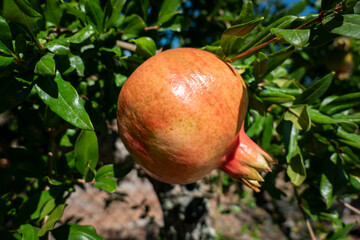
<point x="62" y="65"/>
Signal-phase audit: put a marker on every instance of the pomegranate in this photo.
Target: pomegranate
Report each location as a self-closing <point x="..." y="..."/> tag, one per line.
<point x="181" y="115"/>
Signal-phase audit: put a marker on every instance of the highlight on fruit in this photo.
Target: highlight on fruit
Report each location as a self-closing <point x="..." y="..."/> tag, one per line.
<point x="181" y="115"/>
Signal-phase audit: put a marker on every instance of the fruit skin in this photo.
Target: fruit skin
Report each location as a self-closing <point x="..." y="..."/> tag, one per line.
<point x="180" y="114"/>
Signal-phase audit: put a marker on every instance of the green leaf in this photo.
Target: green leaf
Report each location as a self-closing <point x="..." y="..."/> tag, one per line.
<point x="82" y="35"/>
<point x="348" y="118"/>
<point x="38" y="200"/>
<point x="132" y="26"/>
<point x="24" y="14"/>
<point x="316" y="90"/>
<point x="265" y="34"/>
<point x="63" y="99"/>
<point x="145" y="46"/>
<point x="105" y="176"/>
<point x="5" y="61"/>
<point x="289" y="91"/>
<point x="52" y="219"/>
<point x="86" y="152"/>
<point x="276" y="97"/>
<point x="12" y="92"/>
<point x="357" y="8"/>
<point x="120" y="79"/>
<point x="28" y="232"/>
<point x="168" y="10"/>
<point x="26" y="8"/>
<point x="76" y="232"/>
<point x="298" y="8"/>
<point x="296" y="168"/>
<point x="260" y="65"/>
<point x="71" y="8"/>
<point x="299" y="116"/>
<point x="47" y="208"/>
<point x="59" y="46"/>
<point x="329" y="4"/>
<point x="95" y="13"/>
<point x="112" y="12"/>
<point x="5" y="36"/>
<point x="277" y="58"/>
<point x="342" y="232"/>
<point x="46" y="65"/>
<point x="247" y="12"/>
<point x="234" y="32"/>
<point x="351" y="139"/>
<point x="347" y="25"/>
<point x="53" y="12"/>
<point x="326" y="190"/>
<point x="335" y="104"/>
<point x="295" y="37"/>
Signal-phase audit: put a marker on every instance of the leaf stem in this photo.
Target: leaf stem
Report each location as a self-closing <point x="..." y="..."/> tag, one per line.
<point x="318" y="19"/>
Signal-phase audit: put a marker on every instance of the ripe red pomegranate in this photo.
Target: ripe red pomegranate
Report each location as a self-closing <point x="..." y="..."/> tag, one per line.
<point x="181" y="114"/>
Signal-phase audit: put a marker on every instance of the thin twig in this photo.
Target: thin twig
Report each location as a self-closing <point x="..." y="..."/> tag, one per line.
<point x="307" y="222"/>
<point x="126" y="45"/>
<point x="352" y="208"/>
<point x="319" y="19"/>
<point x="151" y="28"/>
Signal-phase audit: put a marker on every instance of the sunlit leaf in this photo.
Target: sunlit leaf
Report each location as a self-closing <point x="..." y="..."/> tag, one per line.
<point x="52" y="219"/>
<point x="169" y="8"/>
<point x="63" y="99"/>
<point x="346" y="25"/>
<point x="145" y="46"/>
<point x="297" y="37"/>
<point x="299" y="116"/>
<point x="76" y="232"/>
<point x="86" y="152"/>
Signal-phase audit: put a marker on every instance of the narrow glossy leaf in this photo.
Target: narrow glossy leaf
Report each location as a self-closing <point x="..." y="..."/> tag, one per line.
<point x="238" y="31"/>
<point x="276" y="97"/>
<point x="106" y="183"/>
<point x="289" y="91"/>
<point x="71" y="9"/>
<point x="316" y="90"/>
<point x="114" y="170"/>
<point x="247" y="12"/>
<point x="46" y="65"/>
<point x="277" y="58"/>
<point x="4" y="49"/>
<point x="5" y="61"/>
<point x="53" y="12"/>
<point x="346" y="25"/>
<point x="52" y="219"/>
<point x="318" y="117"/>
<point x="95" y="13"/>
<point x="342" y="232"/>
<point x="291" y="134"/>
<point x="86" y="152"/>
<point x="326" y="190"/>
<point x="295" y="37"/>
<point x="76" y="232"/>
<point x="12" y="92"/>
<point x="296" y="168"/>
<point x="265" y="34"/>
<point x="59" y="46"/>
<point x="5" y="36"/>
<point x="13" y="12"/>
<point x="260" y="65"/>
<point x="298" y="8"/>
<point x="47" y="208"/>
<point x="329" y="4"/>
<point x="145" y="46"/>
<point x="39" y="200"/>
<point x="348" y="118"/>
<point x="112" y="12"/>
<point x="351" y="139"/>
<point x="28" y="232"/>
<point x="357" y="8"/>
<point x="26" y="8"/>
<point x="63" y="99"/>
<point x="77" y="63"/>
<point x="335" y="104"/>
<point x="54" y="181"/>
<point x="132" y="26"/>
<point x="82" y="35"/>
<point x="299" y="116"/>
<point x="168" y="10"/>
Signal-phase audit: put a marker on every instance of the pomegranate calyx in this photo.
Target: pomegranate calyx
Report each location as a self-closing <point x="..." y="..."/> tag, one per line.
<point x="246" y="160"/>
